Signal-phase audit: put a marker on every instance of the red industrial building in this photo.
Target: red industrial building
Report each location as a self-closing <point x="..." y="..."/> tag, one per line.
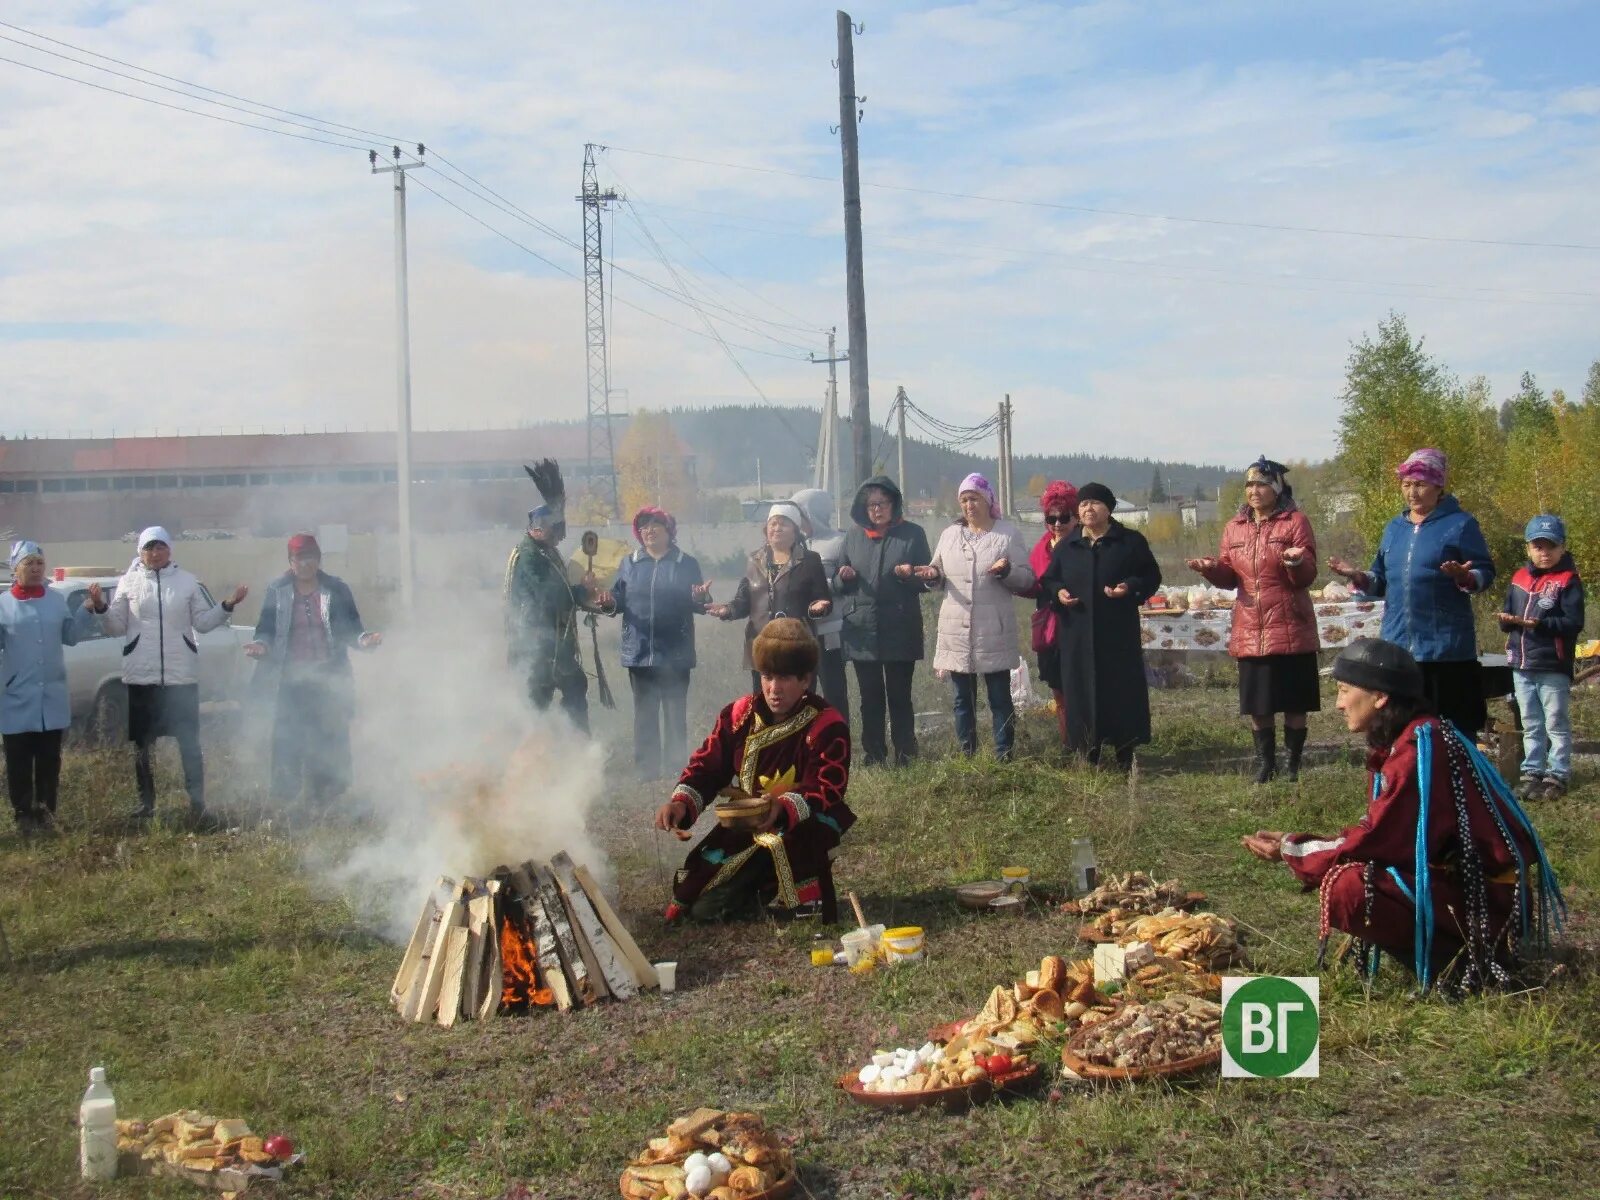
<point x="95" y="489"/>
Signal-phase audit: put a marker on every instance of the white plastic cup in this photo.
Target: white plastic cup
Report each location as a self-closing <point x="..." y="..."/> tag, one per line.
<point x="667" y="973"/>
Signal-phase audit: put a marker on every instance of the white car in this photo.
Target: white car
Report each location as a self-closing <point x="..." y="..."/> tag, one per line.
<point x="94" y="666"/>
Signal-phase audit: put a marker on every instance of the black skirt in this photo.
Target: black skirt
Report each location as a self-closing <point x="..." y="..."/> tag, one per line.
<point x="155" y="711"/>
<point x="1279" y="683"/>
<point x="1455" y="689"/>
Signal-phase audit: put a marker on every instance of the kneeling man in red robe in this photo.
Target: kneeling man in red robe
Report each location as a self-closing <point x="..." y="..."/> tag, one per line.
<point x="789" y="745"/>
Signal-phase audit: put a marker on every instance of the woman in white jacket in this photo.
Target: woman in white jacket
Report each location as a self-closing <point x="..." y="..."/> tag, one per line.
<point x="981" y="563"/>
<point x="161" y="609"/>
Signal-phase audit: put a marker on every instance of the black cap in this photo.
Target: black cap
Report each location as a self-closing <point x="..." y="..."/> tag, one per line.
<point x="1379" y="666"/>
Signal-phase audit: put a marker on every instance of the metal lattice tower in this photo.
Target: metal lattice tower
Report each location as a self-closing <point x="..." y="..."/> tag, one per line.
<point x="598" y="441"/>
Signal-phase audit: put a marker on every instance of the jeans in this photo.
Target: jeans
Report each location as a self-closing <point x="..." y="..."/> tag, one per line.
<point x="311" y="739"/>
<point x="886" y="691"/>
<point x="1546" y="728"/>
<point x="660" y="720"/>
<point x="998" y="686"/>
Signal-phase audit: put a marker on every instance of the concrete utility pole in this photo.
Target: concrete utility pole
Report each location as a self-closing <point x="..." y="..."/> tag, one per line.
<point x="900" y="402"/>
<point x="402" y="315"/>
<point x="1003" y="457"/>
<point x="855" y="281"/>
<point x="828" y="475"/>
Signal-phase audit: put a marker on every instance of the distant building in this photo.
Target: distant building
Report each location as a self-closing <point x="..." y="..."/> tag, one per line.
<point x="271" y="484"/>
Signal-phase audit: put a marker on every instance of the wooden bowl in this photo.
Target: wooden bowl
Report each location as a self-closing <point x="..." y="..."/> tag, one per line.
<point x="1187" y="1066"/>
<point x="978" y="895"/>
<point x="954" y="1099"/>
<point x="750" y="813"/>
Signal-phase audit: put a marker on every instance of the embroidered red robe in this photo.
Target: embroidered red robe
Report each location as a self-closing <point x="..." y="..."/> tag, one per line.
<point x="805" y="759"/>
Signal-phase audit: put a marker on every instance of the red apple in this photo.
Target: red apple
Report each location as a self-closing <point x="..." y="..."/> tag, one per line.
<point x="280" y="1147"/>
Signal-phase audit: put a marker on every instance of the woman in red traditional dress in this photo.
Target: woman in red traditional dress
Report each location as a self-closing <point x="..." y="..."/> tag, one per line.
<point x="791" y="746"/>
<point x="1444" y="870"/>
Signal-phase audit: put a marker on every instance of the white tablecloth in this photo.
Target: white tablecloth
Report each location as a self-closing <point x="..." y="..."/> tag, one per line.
<point x="1206" y="630"/>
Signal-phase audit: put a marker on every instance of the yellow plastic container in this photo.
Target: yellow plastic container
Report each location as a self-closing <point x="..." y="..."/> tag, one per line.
<point x="822" y="957"/>
<point x="861" y="945"/>
<point x="1015" y="878"/>
<point x="906" y="943"/>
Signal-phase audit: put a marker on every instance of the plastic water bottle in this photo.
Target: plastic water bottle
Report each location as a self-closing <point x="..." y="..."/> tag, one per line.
<point x="97" y="1129"/>
<point x="1085" y="875"/>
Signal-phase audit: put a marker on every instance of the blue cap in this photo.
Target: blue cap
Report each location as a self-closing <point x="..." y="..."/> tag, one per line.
<point x="1547" y="528"/>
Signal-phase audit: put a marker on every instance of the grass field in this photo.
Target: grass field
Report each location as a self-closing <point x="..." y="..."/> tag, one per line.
<point x="208" y="970"/>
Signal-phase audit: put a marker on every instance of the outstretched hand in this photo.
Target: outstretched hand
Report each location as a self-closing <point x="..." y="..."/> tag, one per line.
<point x="1264" y="844"/>
<point x="721" y="611"/>
<point x="820" y="608"/>
<point x="1066" y="599"/>
<point x="847" y="573"/>
<point x="1460" y="573"/>
<point x="1340" y="567"/>
<point x="255" y="649"/>
<point x="926" y="574"/>
<point x="1001" y="568"/>
<point x="239" y="593"/>
<point x="1117" y="592"/>
<point x="670" y="814"/>
<point x="1201" y="564"/>
<point x="1294" y="556"/>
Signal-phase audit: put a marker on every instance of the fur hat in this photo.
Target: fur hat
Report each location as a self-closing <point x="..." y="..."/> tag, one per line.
<point x="551" y="514"/>
<point x="1379" y="666"/>
<point x="785" y="647"/>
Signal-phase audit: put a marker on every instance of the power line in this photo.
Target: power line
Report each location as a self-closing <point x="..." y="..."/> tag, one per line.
<point x="180" y="108"/>
<point x="471" y="216"/>
<point x="1116" y="212"/>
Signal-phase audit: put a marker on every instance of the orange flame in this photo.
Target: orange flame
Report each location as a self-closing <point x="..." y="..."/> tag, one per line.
<point x="519" y="966"/>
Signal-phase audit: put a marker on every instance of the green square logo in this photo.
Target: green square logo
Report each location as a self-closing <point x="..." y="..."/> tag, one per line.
<point x="1271" y="1027"/>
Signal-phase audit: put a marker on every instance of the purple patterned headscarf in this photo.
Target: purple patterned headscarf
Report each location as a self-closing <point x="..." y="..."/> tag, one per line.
<point x="977" y="483"/>
<point x="1425" y="466"/>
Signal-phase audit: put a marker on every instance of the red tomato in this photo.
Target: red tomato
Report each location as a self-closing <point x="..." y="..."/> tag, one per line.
<point x="999" y="1064"/>
<point x="280" y="1147"/>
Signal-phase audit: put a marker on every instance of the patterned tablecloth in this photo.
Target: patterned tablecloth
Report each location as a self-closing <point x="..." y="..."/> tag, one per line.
<point x="1206" y="630"/>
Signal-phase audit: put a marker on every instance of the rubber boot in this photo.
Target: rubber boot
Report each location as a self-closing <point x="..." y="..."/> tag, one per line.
<point x="1266" y="741"/>
<point x="1294" y="741"/>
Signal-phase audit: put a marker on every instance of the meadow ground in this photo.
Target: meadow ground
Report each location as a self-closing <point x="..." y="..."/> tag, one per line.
<point x="211" y="970"/>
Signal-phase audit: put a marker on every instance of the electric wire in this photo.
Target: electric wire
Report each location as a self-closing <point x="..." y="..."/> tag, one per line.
<point x="1142" y="216"/>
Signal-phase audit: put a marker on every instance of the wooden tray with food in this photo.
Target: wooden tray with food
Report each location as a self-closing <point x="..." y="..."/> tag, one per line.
<point x="712" y="1154"/>
<point x="1202" y="937"/>
<point x="1131" y="893"/>
<point x="1177" y="1035"/>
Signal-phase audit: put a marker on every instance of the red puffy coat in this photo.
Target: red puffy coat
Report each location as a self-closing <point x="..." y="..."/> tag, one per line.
<point x="1273" y="613"/>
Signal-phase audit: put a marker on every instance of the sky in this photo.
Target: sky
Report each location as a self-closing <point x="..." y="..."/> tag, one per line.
<point x="1159" y="227"/>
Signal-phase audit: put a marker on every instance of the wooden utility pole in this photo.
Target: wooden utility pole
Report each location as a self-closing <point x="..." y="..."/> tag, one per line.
<point x="855" y="281"/>
<point x="900" y="401"/>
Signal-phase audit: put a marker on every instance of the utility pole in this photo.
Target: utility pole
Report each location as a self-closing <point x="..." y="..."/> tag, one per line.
<point x="1003" y="457"/>
<point x="855" y="281"/>
<point x="402" y="316"/>
<point x="828" y="458"/>
<point x="597" y="443"/>
<point x="900" y="401"/>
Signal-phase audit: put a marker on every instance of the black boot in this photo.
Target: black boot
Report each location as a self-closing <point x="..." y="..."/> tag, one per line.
<point x="1294" y="741"/>
<point x="1266" y="741"/>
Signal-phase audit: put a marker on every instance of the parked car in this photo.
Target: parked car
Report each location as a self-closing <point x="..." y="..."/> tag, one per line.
<point x="94" y="666"/>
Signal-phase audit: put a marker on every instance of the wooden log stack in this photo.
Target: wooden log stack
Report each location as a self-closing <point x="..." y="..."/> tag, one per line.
<point x="537" y="935"/>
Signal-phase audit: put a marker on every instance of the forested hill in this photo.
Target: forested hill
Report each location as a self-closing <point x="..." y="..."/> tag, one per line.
<point x="727" y="441"/>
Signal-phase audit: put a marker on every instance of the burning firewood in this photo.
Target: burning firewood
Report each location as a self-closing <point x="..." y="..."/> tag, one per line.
<point x="532" y="936"/>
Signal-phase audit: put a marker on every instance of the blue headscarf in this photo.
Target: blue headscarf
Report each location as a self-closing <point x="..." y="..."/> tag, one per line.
<point x="24" y="549"/>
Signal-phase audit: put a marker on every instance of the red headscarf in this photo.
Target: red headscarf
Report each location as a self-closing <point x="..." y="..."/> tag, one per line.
<point x="660" y="514"/>
<point x="304" y="543"/>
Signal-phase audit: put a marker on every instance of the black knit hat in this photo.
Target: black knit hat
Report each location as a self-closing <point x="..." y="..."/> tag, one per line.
<point x="1097" y="491"/>
<point x="1379" y="666"/>
<point x="785" y="647"/>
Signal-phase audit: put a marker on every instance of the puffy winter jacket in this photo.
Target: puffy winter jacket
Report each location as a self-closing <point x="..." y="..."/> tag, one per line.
<point x="1273" y="613"/>
<point x="1424" y="610"/>
<point x="882" y="612"/>
<point x="160" y="613"/>
<point x="978" y="618"/>
<point x="1554" y="598"/>
<point x="657" y="605"/>
<point x="33" y="669"/>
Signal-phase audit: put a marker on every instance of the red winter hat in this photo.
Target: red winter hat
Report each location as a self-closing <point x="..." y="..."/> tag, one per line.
<point x="1059" y="495"/>
<point x="304" y="543"/>
<point x="659" y="514"/>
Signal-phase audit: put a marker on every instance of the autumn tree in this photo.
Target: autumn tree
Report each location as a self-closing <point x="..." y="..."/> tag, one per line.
<point x="653" y="467"/>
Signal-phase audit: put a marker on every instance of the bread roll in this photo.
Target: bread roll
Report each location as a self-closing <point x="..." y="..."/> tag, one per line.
<point x="1052" y="973"/>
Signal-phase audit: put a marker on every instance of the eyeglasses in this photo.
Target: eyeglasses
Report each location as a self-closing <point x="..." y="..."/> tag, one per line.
<point x="879" y="504"/>
<point x="1057" y="519"/>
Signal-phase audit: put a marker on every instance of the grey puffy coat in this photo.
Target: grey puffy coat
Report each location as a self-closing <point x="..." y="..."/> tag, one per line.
<point x="978" y="619"/>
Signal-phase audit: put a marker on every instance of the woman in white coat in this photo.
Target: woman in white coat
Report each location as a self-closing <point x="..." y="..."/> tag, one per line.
<point x="159" y="608"/>
<point x="981" y="563"/>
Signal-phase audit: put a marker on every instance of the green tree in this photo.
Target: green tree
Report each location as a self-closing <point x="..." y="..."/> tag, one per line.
<point x="1528" y="413"/>
<point x="1591" y="385"/>
<point x="1158" y="490"/>
<point x="1398" y="398"/>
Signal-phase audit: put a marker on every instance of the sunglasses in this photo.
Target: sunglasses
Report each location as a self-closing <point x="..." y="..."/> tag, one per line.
<point x="1062" y="519"/>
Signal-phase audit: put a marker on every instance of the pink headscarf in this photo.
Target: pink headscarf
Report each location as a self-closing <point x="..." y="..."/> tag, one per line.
<point x="1425" y="466"/>
<point x="977" y="483"/>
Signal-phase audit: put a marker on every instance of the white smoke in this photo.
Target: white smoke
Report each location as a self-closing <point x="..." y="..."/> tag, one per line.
<point x="457" y="773"/>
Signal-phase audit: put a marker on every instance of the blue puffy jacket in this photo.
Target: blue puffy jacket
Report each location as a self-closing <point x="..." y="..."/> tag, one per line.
<point x="1424" y="610"/>
<point x="657" y="607"/>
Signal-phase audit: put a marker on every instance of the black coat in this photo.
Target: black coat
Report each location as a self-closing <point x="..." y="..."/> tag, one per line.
<point x="1102" y="657"/>
<point x="882" y="612"/>
<point x="767" y="592"/>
